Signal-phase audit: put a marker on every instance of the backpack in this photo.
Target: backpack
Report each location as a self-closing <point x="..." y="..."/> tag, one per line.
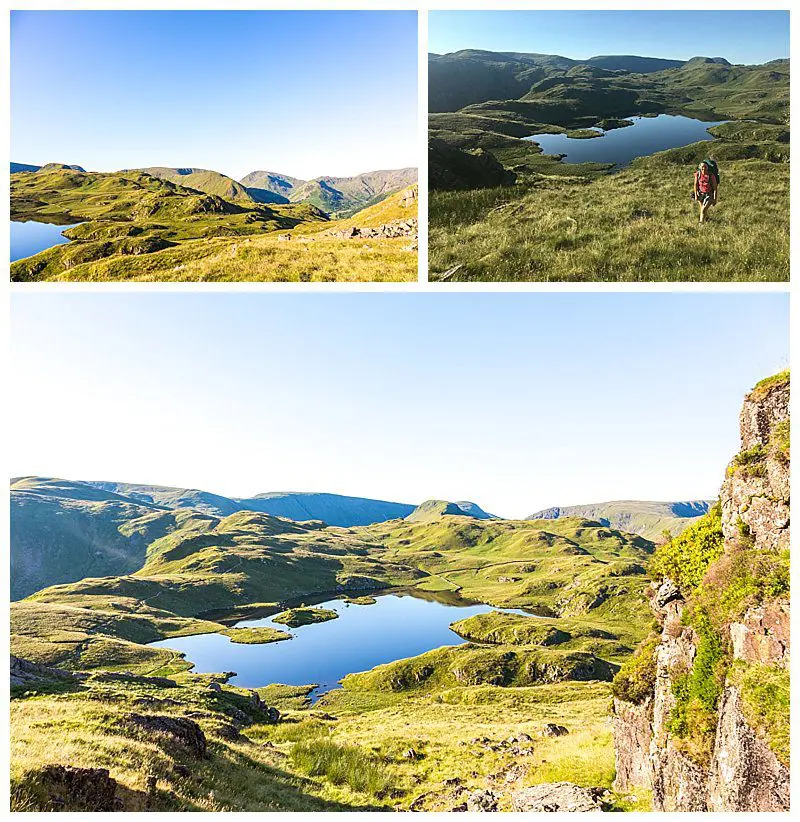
<point x="705" y="171"/>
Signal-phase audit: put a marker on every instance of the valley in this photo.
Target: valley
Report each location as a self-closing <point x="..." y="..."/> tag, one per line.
<point x="428" y="659"/>
<point x="159" y="224"/>
<point x="505" y="205"/>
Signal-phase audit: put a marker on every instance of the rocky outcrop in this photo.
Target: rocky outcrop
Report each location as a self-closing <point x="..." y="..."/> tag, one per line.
<point x="77" y="789"/>
<point x="555" y="797"/>
<point x="762" y="637"/>
<point x="185" y="732"/>
<point x="755" y="494"/>
<point x="23" y="673"/>
<point x="633" y="735"/>
<point x="397" y="228"/>
<point x="743" y="772"/>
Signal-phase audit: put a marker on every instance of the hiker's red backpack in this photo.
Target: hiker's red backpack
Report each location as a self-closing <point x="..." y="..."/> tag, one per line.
<point x="704" y="175"/>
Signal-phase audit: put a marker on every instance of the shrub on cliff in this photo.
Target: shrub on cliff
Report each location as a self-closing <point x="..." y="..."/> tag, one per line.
<point x="636" y="679"/>
<point x="686" y="558"/>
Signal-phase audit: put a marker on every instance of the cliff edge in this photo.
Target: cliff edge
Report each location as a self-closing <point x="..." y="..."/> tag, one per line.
<point x="701" y="712"/>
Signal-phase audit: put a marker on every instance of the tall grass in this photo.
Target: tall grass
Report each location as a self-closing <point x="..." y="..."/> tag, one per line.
<point x="637" y="225"/>
<point x="342" y="765"/>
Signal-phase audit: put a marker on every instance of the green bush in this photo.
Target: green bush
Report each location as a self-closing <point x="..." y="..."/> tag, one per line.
<point x="636" y="679"/>
<point x="342" y="765"/>
<point x="686" y="558"/>
<point x="693" y="718"/>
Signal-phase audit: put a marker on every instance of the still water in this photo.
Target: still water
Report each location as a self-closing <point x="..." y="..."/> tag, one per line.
<point x="646" y="136"/>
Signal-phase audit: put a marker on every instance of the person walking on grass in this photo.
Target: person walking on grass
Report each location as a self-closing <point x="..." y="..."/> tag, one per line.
<point x="706" y="186"/>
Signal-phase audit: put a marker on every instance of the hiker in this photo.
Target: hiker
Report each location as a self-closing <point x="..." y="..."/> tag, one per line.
<point x="706" y="185"/>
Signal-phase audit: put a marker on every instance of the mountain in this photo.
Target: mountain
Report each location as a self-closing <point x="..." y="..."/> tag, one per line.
<point x="474" y="76"/>
<point x="200" y="179"/>
<point x="472" y="509"/>
<point x="270" y="187"/>
<point x="633" y="64"/>
<point x="63" y="531"/>
<point x="433" y="509"/>
<point x="83" y="657"/>
<point x="648" y="519"/>
<point x="338" y="196"/>
<point x="614" y="85"/>
<point x="333" y="509"/>
<point x="17" y="167"/>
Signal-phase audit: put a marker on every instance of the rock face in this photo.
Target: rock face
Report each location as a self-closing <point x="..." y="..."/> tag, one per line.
<point x="763" y="635"/>
<point x="24" y="672"/>
<point x="743" y="773"/>
<point x="759" y="499"/>
<point x="557" y="797"/>
<point x="398" y="228"/>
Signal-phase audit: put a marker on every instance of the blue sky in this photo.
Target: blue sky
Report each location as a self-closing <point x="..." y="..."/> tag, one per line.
<point x="303" y="93"/>
<point x="740" y="36"/>
<point x="517" y="401"/>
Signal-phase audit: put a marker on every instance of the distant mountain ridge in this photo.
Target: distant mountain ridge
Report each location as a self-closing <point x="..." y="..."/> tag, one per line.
<point x="473" y="76"/>
<point x="337" y="196"/>
<point x="648" y="519"/>
<point x="340" y="196"/>
<point x="333" y="509"/>
<point x="16" y="168"/>
<point x="63" y="530"/>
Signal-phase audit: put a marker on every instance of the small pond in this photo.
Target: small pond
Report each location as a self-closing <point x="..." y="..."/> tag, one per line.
<point x="620" y="146"/>
<point x="29" y="238"/>
<point x="397" y="626"/>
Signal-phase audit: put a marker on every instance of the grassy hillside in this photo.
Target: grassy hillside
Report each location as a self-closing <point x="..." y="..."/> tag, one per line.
<point x="138" y="227"/>
<point x="450" y="707"/>
<point x="211" y="182"/>
<point x="505" y="211"/>
<point x="637" y="225"/>
<point x="63" y="532"/>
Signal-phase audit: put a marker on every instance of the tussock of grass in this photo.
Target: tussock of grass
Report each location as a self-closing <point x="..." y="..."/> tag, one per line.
<point x="342" y="765"/>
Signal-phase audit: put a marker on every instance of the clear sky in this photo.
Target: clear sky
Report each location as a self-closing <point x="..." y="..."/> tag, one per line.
<point x="303" y="93"/>
<point x="516" y="401"/>
<point x="739" y="36"/>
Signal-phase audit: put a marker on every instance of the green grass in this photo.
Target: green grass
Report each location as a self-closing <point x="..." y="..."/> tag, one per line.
<point x="138" y="227"/>
<point x="693" y="718"/>
<point x="255" y="636"/>
<point x="343" y="765"/>
<point x="765" y="696"/>
<point x="635" y="681"/>
<point x="295" y="617"/>
<point x="636" y="225"/>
